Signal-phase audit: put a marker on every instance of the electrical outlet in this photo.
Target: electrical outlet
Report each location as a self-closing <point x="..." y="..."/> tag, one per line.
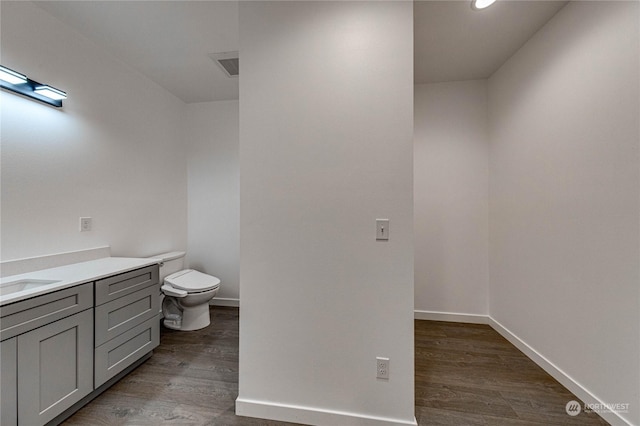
<point x="85" y="224"/>
<point x="382" y="368"/>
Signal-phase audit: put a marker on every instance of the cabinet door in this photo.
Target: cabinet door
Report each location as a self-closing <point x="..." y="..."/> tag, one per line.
<point x="55" y="368"/>
<point x="8" y="383"/>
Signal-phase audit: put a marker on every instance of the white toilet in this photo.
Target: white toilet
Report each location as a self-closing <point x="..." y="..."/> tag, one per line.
<point x="187" y="293"/>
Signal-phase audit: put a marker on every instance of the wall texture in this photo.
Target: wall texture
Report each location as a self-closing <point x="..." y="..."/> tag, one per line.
<point x="214" y="193"/>
<point x="564" y="207"/>
<point x="112" y="153"/>
<point x="326" y="148"/>
<point x="451" y="187"/>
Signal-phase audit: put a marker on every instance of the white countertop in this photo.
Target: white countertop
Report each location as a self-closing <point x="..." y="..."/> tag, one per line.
<point x="70" y="275"/>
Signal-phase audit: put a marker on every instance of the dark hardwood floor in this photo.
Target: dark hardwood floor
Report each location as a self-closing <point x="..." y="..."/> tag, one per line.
<point x="465" y="375"/>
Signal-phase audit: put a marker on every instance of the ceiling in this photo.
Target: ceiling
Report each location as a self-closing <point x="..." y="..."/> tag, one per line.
<point x="453" y="42"/>
<point x="170" y="41"/>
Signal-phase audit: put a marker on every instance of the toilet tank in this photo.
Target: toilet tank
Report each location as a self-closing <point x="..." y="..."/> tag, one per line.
<point x="171" y="262"/>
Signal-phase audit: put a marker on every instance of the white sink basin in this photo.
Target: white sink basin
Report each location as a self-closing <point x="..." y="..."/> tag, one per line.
<point x="22" y="285"/>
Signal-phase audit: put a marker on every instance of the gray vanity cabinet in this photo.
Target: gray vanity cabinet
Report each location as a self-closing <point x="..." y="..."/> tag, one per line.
<point x="47" y="355"/>
<point x="50" y="362"/>
<point x="8" y="382"/>
<point x="126" y="321"/>
<point x="55" y="368"/>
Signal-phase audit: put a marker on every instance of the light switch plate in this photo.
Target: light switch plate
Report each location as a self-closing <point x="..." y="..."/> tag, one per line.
<point x="382" y="229"/>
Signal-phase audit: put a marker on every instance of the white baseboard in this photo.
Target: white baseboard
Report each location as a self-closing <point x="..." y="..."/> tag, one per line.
<point x="578" y="390"/>
<point x="225" y="301"/>
<point x="451" y="317"/>
<point x="311" y="415"/>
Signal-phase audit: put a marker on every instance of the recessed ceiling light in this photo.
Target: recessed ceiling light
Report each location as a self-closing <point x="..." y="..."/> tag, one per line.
<point x="481" y="4"/>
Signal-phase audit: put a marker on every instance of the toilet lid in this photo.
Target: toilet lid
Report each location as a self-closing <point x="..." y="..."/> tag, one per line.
<point x="191" y="280"/>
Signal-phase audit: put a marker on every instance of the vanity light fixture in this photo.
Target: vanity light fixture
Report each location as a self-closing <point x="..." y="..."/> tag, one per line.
<point x="12" y="77"/>
<point x="481" y="4"/>
<point x="21" y="84"/>
<point x="51" y="92"/>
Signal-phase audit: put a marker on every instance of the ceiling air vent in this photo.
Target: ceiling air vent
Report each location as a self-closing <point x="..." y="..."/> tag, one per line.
<point x="228" y="61"/>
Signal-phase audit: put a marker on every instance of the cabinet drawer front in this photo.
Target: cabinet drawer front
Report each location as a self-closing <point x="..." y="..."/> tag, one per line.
<point x="120" y="315"/>
<point x="120" y="285"/>
<point x="20" y="317"/>
<point x="55" y="365"/>
<point x="123" y="350"/>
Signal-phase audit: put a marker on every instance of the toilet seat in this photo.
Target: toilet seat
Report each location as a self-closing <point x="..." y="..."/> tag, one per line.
<point x="192" y="281"/>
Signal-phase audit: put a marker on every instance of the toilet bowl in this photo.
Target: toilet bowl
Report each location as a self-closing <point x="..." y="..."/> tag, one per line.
<point x="186" y="293"/>
<point x="190" y="291"/>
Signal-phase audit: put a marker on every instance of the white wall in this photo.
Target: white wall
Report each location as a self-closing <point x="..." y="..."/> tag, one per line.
<point x="451" y="201"/>
<point x="214" y="195"/>
<point x="112" y="153"/>
<point x="564" y="210"/>
<point x="325" y="149"/>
